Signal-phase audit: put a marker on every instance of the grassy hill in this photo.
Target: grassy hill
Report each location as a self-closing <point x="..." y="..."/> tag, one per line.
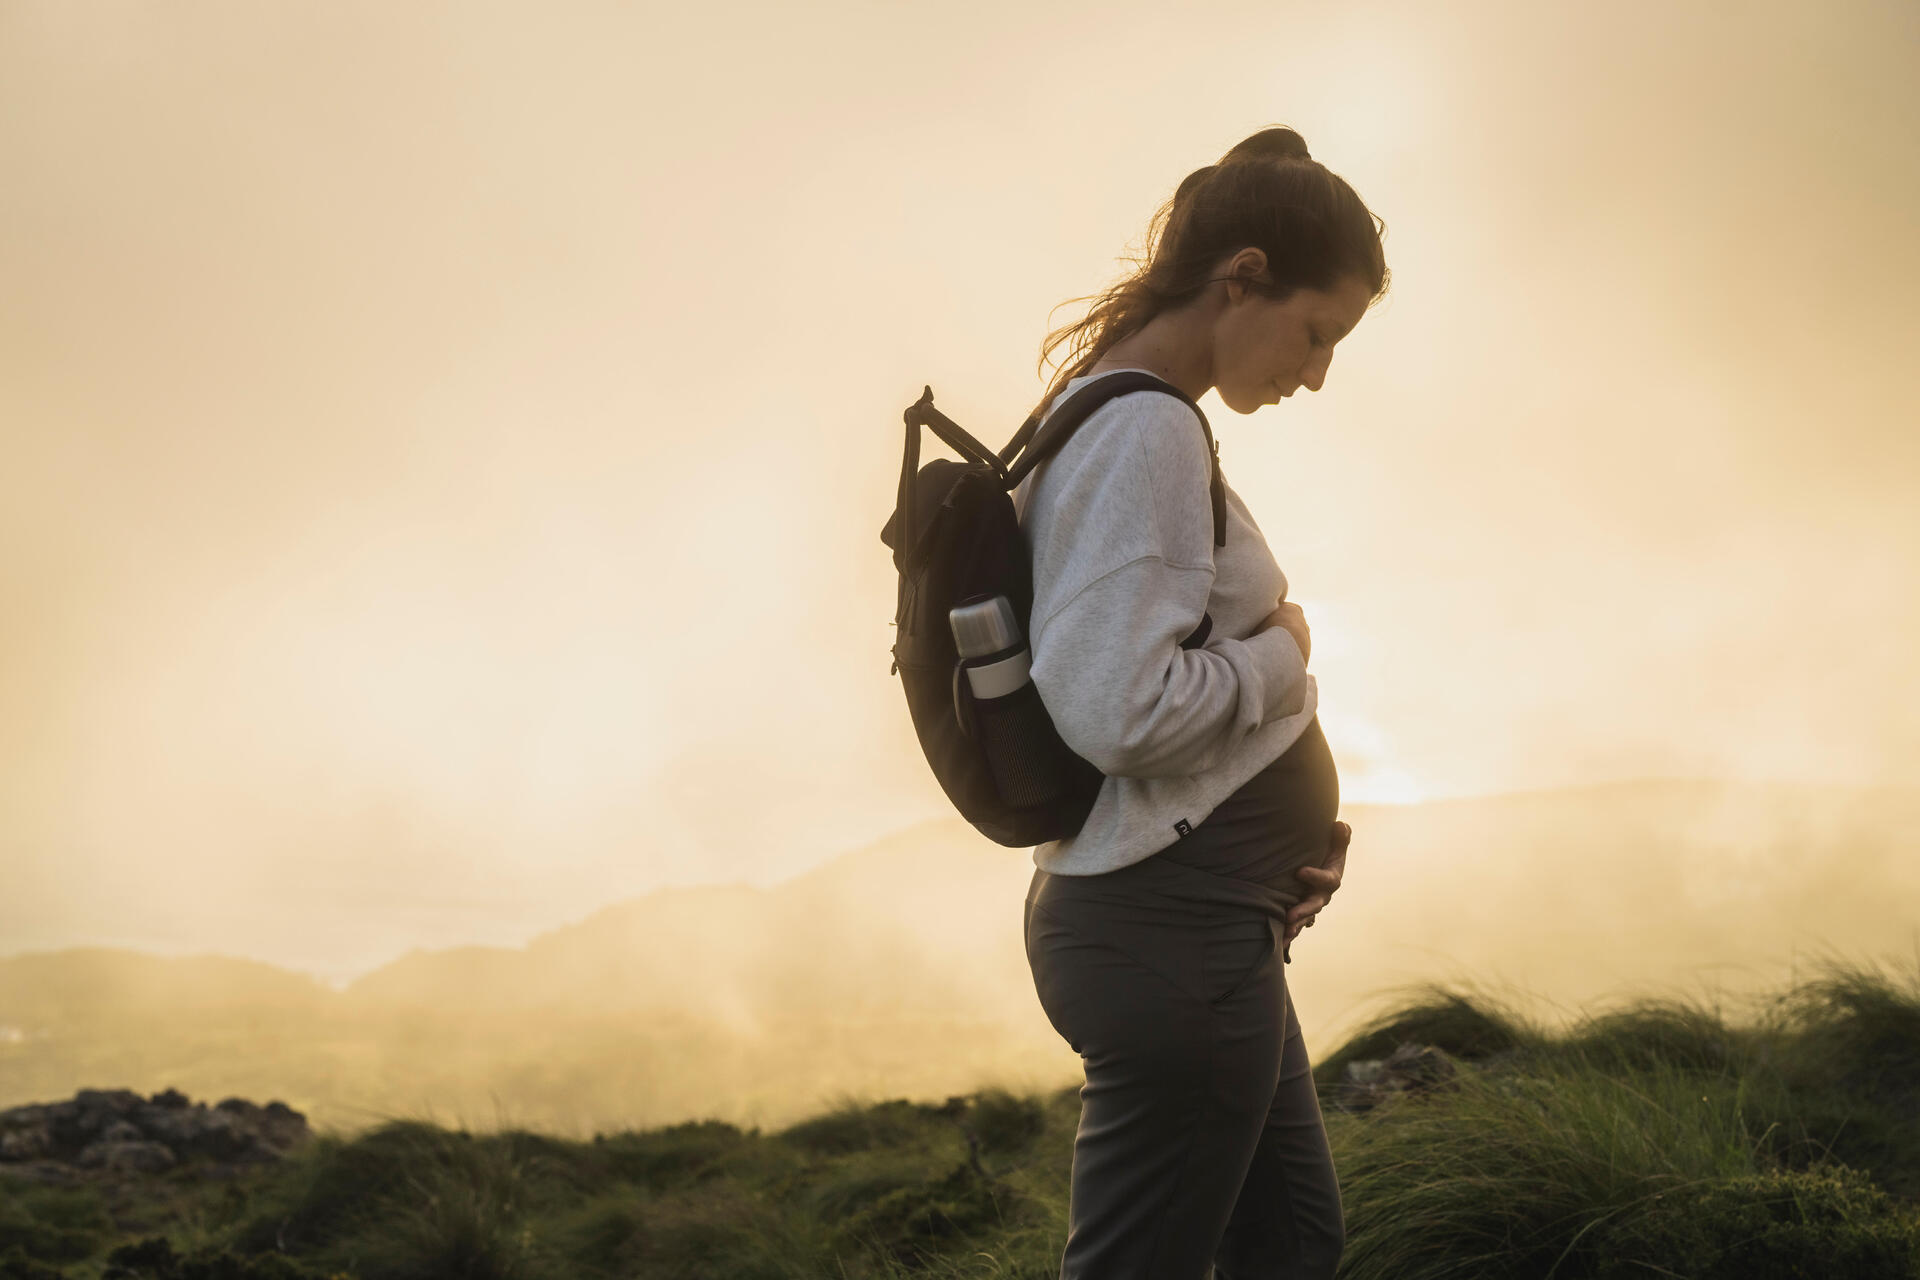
<point x="1653" y="1139"/>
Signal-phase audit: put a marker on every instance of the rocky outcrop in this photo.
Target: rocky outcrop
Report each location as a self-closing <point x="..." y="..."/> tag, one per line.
<point x="116" y="1131"/>
<point x="1411" y="1068"/>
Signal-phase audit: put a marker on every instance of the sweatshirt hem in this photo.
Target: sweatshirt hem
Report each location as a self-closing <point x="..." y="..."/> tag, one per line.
<point x="1065" y="858"/>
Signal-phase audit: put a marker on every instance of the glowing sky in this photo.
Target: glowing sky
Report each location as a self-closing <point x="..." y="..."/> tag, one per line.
<point x="445" y="445"/>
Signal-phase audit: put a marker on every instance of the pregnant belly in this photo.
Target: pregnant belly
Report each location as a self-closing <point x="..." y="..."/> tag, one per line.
<point x="1280" y="820"/>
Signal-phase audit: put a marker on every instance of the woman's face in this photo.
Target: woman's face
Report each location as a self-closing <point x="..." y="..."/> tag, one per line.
<point x="1265" y="351"/>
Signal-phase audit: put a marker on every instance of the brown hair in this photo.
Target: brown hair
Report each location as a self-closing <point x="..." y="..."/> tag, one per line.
<point x="1266" y="192"/>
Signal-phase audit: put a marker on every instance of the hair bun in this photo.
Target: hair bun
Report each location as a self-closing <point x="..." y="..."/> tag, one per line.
<point x="1192" y="181"/>
<point x="1277" y="143"/>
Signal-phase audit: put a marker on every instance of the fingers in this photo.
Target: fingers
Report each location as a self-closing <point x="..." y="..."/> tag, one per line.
<point x="1328" y="877"/>
<point x="1306" y="908"/>
<point x="1336" y="855"/>
<point x="1323" y="880"/>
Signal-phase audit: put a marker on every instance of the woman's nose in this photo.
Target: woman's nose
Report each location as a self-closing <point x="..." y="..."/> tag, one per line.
<point x="1314" y="376"/>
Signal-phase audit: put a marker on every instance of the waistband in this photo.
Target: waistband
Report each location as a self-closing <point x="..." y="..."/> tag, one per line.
<point x="1170" y="890"/>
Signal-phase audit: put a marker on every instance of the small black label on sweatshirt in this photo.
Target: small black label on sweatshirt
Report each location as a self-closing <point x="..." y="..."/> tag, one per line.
<point x="1184" y="827"/>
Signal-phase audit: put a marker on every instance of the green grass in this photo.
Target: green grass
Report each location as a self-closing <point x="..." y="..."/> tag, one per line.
<point x="1657" y="1139"/>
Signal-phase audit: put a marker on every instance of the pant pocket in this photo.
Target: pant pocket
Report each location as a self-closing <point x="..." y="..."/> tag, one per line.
<point x="1236" y="957"/>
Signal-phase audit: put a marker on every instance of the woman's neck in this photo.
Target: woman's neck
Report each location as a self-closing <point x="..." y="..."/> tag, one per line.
<point x="1168" y="349"/>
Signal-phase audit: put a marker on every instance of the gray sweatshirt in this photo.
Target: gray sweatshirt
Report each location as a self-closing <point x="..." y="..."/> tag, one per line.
<point x="1121" y="529"/>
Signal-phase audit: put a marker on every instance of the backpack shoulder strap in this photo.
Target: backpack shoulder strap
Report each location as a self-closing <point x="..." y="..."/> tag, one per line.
<point x="1034" y="443"/>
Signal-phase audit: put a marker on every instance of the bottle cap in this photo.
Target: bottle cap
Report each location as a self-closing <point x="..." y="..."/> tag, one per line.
<point x="983" y="625"/>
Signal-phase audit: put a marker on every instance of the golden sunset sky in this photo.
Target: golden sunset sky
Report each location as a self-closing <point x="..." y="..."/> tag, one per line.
<point x="445" y="446"/>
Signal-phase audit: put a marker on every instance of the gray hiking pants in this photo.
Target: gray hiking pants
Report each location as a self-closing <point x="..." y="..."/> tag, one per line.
<point x="1201" y="1151"/>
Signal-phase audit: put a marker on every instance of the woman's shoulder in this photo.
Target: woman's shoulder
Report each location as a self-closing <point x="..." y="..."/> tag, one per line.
<point x="1133" y="479"/>
<point x="1159" y="431"/>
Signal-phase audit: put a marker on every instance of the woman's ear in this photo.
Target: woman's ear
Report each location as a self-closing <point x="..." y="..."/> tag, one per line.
<point x="1248" y="264"/>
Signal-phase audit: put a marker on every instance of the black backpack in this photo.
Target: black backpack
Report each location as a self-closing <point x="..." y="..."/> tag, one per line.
<point x="1000" y="760"/>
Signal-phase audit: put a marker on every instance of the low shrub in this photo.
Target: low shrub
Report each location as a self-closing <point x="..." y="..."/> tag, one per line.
<point x="1781" y="1225"/>
<point x="1006" y="1123"/>
<point x="52" y="1224"/>
<point x="154" y="1259"/>
<point x="854" y="1127"/>
<point x="909" y="1221"/>
<point x="674" y="1156"/>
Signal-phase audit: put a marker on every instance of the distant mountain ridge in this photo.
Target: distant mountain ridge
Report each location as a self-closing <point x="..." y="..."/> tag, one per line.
<point x="902" y="960"/>
<point x="909" y="892"/>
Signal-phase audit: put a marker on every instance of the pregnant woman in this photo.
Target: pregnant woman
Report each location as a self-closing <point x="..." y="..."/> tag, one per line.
<point x="1157" y="933"/>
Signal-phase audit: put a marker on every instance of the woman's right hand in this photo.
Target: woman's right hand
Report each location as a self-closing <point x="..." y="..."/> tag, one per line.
<point x="1287" y="614"/>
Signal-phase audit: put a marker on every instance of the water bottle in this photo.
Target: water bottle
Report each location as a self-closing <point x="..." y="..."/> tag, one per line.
<point x="992" y="650"/>
<point x="1000" y="708"/>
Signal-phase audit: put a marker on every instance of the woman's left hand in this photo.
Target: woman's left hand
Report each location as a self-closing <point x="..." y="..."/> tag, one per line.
<point x="1322" y="880"/>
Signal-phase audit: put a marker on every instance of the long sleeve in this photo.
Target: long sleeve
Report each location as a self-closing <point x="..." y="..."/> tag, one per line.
<point x="1126" y="696"/>
<point x="1123" y="570"/>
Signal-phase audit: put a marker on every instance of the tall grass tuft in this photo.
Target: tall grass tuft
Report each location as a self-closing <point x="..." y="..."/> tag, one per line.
<point x="855" y="1125"/>
<point x="1650" y="1034"/>
<point x="1650" y="1141"/>
<point x="1847" y="1047"/>
<point x="410" y="1199"/>
<point x="1505" y="1175"/>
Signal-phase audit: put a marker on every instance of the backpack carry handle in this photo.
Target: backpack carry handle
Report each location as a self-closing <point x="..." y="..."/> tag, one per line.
<point x="921" y="413"/>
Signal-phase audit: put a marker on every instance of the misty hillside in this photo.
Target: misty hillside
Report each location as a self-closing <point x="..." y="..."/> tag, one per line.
<point x="919" y="918"/>
<point x="1578" y="890"/>
<point x="898" y="967"/>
